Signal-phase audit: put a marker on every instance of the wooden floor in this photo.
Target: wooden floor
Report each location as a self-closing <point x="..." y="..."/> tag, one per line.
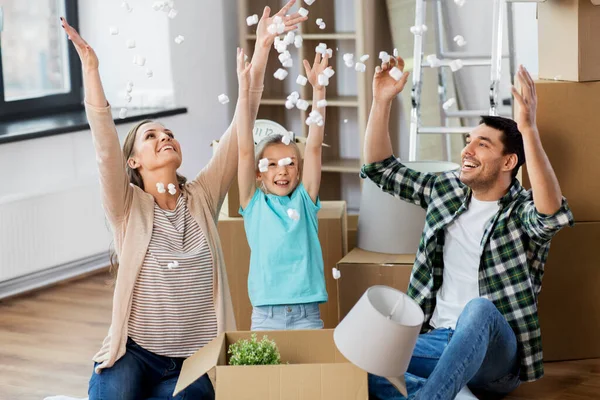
<point x="48" y="338"/>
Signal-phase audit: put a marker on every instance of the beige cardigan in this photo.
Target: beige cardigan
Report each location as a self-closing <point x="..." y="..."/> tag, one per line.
<point x="130" y="212"/>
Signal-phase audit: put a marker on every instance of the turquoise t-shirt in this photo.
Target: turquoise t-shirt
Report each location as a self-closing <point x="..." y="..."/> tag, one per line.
<point x="286" y="261"/>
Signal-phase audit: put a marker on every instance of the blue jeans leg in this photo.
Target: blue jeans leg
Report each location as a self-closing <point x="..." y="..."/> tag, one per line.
<point x="143" y="375"/>
<point x="483" y="349"/>
<point x="123" y="381"/>
<point x="428" y="350"/>
<point x="201" y="389"/>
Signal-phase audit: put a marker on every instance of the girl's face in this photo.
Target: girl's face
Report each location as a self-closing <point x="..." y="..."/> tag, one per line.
<point x="280" y="180"/>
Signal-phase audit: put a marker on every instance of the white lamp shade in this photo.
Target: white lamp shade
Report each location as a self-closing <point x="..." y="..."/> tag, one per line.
<point x="375" y="342"/>
<point x="389" y="225"/>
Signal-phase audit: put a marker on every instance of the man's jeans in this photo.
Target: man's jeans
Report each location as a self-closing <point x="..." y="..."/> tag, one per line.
<point x="143" y="375"/>
<point x="481" y="353"/>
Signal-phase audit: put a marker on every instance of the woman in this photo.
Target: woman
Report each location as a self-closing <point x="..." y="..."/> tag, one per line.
<point x="171" y="295"/>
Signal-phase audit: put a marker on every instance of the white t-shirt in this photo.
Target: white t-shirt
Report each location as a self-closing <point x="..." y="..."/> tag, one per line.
<point x="462" y="255"/>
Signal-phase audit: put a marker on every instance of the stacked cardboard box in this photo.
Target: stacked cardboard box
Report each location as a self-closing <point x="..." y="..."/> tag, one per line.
<point x="568" y="120"/>
<point x="362" y="269"/>
<point x="334" y="244"/>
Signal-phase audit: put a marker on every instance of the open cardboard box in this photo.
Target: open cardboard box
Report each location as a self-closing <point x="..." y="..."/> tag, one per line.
<point x="312" y="369"/>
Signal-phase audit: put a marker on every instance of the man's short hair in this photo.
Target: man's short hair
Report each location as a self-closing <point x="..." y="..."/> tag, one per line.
<point x="511" y="138"/>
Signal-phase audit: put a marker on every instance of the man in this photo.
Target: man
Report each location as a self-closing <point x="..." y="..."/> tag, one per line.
<point x="481" y="258"/>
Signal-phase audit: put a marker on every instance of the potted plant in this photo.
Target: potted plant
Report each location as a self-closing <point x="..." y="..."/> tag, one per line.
<point x="254" y="352"/>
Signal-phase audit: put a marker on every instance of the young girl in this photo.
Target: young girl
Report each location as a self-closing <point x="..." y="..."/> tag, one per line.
<point x="286" y="281"/>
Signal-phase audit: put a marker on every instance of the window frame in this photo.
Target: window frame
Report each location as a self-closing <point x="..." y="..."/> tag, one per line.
<point x="48" y="105"/>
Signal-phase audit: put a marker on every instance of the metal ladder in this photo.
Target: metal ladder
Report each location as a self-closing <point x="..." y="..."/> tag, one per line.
<point x="468" y="60"/>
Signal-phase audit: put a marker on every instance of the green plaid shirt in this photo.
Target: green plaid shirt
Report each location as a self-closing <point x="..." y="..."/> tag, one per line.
<point x="514" y="248"/>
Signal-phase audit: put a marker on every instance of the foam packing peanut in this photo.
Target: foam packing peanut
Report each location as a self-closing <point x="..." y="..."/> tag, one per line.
<point x="328" y="72"/>
<point x="323" y="80"/>
<point x="223" y="99"/>
<point x="302" y="105"/>
<point x="396" y="73"/>
<point x="384" y="56"/>
<point x="360" y="67"/>
<point x="123" y="113"/>
<point x="289" y="38"/>
<point x="293" y="214"/>
<point x="252" y="20"/>
<point x="113" y="30"/>
<point x="456" y="65"/>
<point x="287" y="138"/>
<point x="179" y="39"/>
<point x="280" y="74"/>
<point x="449" y="103"/>
<point x="172" y="189"/>
<point x="263" y="165"/>
<point x="336" y="273"/>
<point x="301" y="80"/>
<point x="284" y="161"/>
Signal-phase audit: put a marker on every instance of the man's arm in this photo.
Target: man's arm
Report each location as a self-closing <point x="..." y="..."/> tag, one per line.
<point x="547" y="195"/>
<point x="381" y="167"/>
<point x="378" y="145"/>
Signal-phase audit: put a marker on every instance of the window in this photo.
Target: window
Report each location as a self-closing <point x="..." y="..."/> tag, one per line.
<point x="40" y="72"/>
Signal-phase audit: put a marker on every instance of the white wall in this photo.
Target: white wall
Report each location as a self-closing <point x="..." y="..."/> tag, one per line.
<point x="150" y="30"/>
<point x="57" y="176"/>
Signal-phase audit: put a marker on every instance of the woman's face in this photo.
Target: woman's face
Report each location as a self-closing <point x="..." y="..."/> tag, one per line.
<point x="155" y="148"/>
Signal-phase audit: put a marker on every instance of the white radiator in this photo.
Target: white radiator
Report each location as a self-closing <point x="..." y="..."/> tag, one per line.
<point x="51" y="229"/>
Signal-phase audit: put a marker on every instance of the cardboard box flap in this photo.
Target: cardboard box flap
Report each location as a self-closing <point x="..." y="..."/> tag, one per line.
<point x="360" y="256"/>
<point x="201" y="362"/>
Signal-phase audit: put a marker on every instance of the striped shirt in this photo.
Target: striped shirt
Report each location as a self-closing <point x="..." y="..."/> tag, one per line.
<point x="172" y="311"/>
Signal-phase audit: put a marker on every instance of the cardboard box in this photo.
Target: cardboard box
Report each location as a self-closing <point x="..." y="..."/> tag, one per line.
<point x="362" y="269"/>
<point x="312" y="369"/>
<point x="334" y="244"/>
<point x="568" y="118"/>
<point x="569" y="303"/>
<point x="568" y="32"/>
<point x="231" y="204"/>
<point x="352" y="231"/>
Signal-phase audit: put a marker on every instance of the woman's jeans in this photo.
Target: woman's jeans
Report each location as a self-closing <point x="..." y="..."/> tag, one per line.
<point x="143" y="375"/>
<point x="481" y="353"/>
<point x="289" y="317"/>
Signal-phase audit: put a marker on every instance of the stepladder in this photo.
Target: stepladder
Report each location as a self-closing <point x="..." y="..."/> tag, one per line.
<point x="444" y="59"/>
